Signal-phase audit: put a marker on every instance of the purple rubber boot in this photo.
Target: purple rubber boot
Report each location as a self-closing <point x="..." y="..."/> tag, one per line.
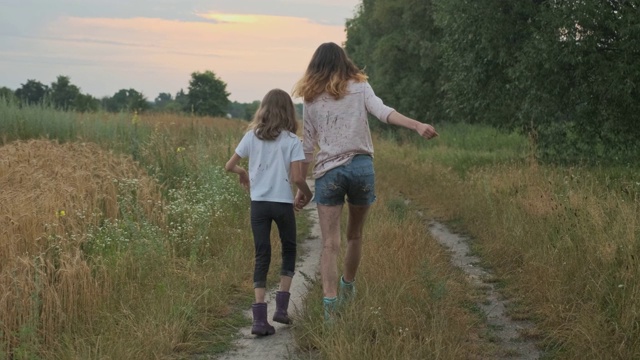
<point x="261" y="326"/>
<point x="282" y="304"/>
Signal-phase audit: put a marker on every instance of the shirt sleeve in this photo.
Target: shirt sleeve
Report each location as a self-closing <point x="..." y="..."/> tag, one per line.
<point x="374" y="104"/>
<point x="296" y="150"/>
<point x="244" y="146"/>
<point x="310" y="135"/>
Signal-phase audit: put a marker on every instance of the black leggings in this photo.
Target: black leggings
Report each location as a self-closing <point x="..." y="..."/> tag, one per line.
<point x="262" y="214"/>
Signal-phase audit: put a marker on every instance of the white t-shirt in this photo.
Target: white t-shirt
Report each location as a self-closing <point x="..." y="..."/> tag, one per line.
<point x="270" y="164"/>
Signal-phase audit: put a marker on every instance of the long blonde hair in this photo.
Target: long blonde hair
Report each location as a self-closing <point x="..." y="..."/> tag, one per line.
<point x="330" y="70"/>
<point x="275" y="113"/>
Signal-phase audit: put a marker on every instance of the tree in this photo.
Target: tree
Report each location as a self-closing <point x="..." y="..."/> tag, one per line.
<point x="63" y="94"/>
<point x="7" y="94"/>
<point x="237" y="110"/>
<point x="126" y="100"/>
<point x="246" y="111"/>
<point x="580" y="73"/>
<point x="86" y="103"/>
<point x="250" y="109"/>
<point x="207" y="94"/>
<point x="32" y="92"/>
<point x="162" y="100"/>
<point x="396" y="43"/>
<point x="182" y="99"/>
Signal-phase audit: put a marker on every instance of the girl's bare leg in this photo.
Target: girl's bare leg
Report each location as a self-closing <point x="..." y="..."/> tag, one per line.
<point x="285" y="283"/>
<point x="357" y="217"/>
<point x="329" y="218"/>
<point x="259" y="293"/>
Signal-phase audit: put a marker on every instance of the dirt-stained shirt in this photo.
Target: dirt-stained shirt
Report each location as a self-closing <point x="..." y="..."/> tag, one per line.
<point x="340" y="128"/>
<point x="270" y="165"/>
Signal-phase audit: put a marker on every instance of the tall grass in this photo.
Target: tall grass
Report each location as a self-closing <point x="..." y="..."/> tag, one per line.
<point x="463" y="146"/>
<point x="409" y="303"/>
<point x="563" y="240"/>
<point x="101" y="260"/>
<point x="140" y="247"/>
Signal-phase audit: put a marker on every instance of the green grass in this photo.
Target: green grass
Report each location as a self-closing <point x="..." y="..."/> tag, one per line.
<point x="176" y="281"/>
<point x="560" y="239"/>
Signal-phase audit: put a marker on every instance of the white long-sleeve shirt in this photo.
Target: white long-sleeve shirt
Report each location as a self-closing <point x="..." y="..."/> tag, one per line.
<point x="340" y="128"/>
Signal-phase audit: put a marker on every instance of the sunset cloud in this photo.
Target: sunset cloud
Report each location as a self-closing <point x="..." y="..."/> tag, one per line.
<point x="252" y="53"/>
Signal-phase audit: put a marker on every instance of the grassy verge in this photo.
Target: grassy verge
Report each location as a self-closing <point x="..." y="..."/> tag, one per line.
<point x="137" y="248"/>
<point x="564" y="241"/>
<point x="409" y="305"/>
<point x="141" y="247"/>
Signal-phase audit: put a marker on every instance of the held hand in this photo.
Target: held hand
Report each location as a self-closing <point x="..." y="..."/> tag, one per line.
<point x="426" y="131"/>
<point x="301" y="200"/>
<point x="244" y="180"/>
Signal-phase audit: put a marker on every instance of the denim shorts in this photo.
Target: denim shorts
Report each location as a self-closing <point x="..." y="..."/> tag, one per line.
<point x="355" y="180"/>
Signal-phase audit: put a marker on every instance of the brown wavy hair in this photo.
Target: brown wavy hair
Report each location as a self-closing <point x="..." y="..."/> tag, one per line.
<point x="275" y="113"/>
<point x="330" y="70"/>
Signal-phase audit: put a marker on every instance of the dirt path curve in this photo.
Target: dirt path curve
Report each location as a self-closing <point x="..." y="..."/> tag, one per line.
<point x="507" y="333"/>
<point x="281" y="345"/>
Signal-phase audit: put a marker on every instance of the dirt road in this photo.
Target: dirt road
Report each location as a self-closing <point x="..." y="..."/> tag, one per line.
<point x="281" y="345"/>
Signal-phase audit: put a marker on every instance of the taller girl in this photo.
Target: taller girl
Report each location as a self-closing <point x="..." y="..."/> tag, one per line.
<point x="337" y="99"/>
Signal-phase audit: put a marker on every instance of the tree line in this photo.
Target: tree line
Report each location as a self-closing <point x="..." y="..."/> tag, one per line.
<point x="566" y="73"/>
<point x="206" y="96"/>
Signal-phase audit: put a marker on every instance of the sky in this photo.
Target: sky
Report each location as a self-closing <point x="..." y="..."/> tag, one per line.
<point x="155" y="46"/>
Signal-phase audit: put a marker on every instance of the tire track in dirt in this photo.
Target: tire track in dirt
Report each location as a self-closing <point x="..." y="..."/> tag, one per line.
<point x="506" y="332"/>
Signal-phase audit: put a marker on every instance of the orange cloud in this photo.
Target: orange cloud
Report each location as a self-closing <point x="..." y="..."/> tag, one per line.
<point x="230" y="18"/>
<point x="266" y="51"/>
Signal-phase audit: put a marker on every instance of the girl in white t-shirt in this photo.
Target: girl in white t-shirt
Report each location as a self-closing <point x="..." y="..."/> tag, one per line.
<point x="275" y="154"/>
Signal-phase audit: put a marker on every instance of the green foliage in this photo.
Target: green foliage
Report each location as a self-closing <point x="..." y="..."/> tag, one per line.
<point x="395" y="42"/>
<point x="207" y="94"/>
<point x="564" y="73"/>
<point x="63" y="94"/>
<point x="466" y="146"/>
<point x="580" y="73"/>
<point x="244" y="111"/>
<point x="127" y="101"/>
<point x="86" y="103"/>
<point x="479" y="46"/>
<point x="193" y="207"/>
<point x="32" y="92"/>
<point x="7" y="94"/>
<point x="250" y="110"/>
<point x="161" y="267"/>
<point x="162" y="100"/>
<point x="39" y="121"/>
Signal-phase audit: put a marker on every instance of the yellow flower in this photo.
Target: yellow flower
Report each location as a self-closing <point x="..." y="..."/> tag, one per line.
<point x="134" y="120"/>
<point x="61" y="213"/>
<point x="180" y="149"/>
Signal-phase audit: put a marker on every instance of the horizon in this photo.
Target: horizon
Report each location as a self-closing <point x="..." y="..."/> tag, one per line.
<point x="154" y="47"/>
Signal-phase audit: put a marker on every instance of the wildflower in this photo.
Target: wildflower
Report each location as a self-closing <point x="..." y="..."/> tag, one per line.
<point x="180" y="149"/>
<point x="61" y="213"/>
<point x="134" y="120"/>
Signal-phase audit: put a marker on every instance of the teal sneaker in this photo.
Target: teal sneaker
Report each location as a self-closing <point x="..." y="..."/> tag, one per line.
<point x="347" y="291"/>
<point x="329" y="305"/>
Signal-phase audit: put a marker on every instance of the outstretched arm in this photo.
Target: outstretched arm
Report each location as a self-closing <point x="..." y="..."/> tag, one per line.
<point x="425" y="130"/>
<point x="232" y="166"/>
